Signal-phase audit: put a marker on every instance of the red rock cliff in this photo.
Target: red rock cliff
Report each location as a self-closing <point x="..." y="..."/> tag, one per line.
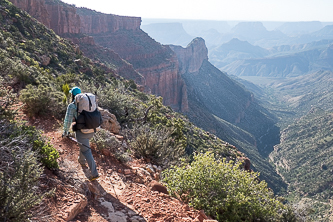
<point x="94" y="22"/>
<point x="191" y="57"/>
<point x="61" y="18"/>
<point x="158" y="64"/>
<point x="35" y="8"/>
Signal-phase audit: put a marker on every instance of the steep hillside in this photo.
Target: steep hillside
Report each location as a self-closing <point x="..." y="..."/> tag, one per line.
<point x="107" y="57"/>
<point x="157" y="63"/>
<point x="121" y="34"/>
<point x="63" y="20"/>
<point x="304" y="160"/>
<point x="221" y="105"/>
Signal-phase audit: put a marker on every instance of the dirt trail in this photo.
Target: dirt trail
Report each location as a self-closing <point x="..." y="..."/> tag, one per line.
<point x="123" y="192"/>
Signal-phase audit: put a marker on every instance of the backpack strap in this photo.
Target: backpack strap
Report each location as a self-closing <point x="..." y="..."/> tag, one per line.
<point x="90" y="104"/>
<point x="77" y="109"/>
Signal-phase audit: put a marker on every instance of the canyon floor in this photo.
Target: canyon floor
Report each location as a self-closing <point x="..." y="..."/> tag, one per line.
<point x="123" y="193"/>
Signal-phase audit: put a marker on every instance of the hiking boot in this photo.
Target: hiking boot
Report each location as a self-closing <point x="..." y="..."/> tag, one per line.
<point x="93" y="178"/>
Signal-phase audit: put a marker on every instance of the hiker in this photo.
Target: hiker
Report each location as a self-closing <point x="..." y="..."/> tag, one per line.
<point x="82" y="135"/>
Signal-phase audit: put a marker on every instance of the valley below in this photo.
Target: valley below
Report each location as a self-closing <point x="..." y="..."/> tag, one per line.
<point x="303" y="154"/>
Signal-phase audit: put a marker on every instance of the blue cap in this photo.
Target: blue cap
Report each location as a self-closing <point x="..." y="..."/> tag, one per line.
<point x="75" y="90"/>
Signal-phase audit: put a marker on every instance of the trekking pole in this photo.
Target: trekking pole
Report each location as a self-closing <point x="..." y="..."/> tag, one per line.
<point x="75" y="140"/>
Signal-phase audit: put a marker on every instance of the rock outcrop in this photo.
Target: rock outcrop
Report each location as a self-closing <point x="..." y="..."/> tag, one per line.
<point x="60" y="17"/>
<point x="191" y="57"/>
<point x="36" y="8"/>
<point x="157" y="63"/>
<point x="93" y="22"/>
<point x="110" y="122"/>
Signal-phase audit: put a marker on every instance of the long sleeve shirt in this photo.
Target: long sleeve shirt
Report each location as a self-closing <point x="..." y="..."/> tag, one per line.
<point x="71" y="114"/>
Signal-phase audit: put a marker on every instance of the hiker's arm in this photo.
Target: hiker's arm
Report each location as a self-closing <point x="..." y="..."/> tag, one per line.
<point x="71" y="109"/>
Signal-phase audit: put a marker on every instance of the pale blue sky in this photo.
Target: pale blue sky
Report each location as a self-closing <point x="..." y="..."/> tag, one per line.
<point x="252" y="10"/>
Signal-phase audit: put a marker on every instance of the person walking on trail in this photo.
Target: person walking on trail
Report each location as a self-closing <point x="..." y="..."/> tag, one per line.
<point x="82" y="135"/>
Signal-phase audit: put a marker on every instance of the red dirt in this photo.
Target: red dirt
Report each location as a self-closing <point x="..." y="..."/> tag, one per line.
<point x="120" y="194"/>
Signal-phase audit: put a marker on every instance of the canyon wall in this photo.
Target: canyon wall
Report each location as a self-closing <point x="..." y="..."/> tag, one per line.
<point x="191" y="57"/>
<point x="212" y="88"/>
<point x="59" y="17"/>
<point x="93" y="22"/>
<point x="64" y="18"/>
<point x="157" y="63"/>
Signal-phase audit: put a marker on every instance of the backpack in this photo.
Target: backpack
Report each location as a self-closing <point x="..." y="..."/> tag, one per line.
<point x="89" y="117"/>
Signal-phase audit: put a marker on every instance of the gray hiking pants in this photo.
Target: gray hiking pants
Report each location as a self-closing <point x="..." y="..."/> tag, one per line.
<point x="85" y="152"/>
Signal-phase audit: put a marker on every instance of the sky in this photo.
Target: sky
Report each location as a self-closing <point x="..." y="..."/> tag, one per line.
<point x="248" y="10"/>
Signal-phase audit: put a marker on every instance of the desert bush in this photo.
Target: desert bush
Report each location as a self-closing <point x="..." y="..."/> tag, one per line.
<point x="47" y="154"/>
<point x="7" y="99"/>
<point x="13" y="70"/>
<point x="104" y="140"/>
<point x="223" y="190"/>
<point x="155" y="143"/>
<point x="42" y="100"/>
<point x="20" y="171"/>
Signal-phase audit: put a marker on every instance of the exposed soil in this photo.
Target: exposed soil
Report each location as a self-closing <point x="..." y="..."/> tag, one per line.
<point x="122" y="193"/>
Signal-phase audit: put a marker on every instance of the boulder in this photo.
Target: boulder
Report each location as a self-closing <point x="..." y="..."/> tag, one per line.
<point x="74" y="207"/>
<point x="156" y="186"/>
<point x="109" y="122"/>
<point x="45" y="60"/>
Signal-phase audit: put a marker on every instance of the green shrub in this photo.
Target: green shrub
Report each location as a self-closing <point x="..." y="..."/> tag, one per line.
<point x="47" y="154"/>
<point x="155" y="143"/>
<point x="42" y="100"/>
<point x="20" y="171"/>
<point x="7" y="99"/>
<point x="104" y="140"/>
<point x="13" y="71"/>
<point x="223" y="190"/>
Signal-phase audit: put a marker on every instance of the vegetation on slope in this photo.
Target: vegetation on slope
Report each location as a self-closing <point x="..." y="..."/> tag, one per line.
<point x="304" y="159"/>
<point x="304" y="106"/>
<point x="225" y="192"/>
<point x="39" y="65"/>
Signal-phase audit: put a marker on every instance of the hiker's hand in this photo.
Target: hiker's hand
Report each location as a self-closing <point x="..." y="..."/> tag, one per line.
<point x="65" y="134"/>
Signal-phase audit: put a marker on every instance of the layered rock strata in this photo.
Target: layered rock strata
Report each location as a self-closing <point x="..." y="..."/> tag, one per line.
<point x="157" y="64"/>
<point x="191" y="57"/>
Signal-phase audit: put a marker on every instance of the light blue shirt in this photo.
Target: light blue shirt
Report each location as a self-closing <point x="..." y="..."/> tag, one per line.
<point x="71" y="114"/>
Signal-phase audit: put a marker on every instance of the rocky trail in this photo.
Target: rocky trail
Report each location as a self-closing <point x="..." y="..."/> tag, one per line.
<point x="124" y="192"/>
